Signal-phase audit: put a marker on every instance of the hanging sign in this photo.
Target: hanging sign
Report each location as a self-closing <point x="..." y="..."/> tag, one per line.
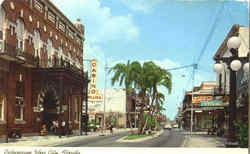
<point x="197" y="99"/>
<point x="93" y="93"/>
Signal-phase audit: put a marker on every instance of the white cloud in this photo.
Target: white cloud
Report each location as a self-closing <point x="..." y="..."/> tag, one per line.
<point x="99" y="22"/>
<point x="145" y="6"/>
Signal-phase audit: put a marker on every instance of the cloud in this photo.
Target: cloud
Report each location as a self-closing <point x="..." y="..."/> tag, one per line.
<point x="145" y="6"/>
<point x="243" y="0"/>
<point x="100" y="24"/>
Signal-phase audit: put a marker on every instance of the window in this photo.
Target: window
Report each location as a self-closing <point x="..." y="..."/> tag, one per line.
<point x="1" y="35"/>
<point x="44" y="47"/>
<point x="49" y="48"/>
<point x="51" y="17"/>
<point x="38" y="6"/>
<point x="36" y="42"/>
<point x="71" y="34"/>
<point x="20" y="90"/>
<point x="19" y="109"/>
<point x="12" y="30"/>
<point x="20" y="34"/>
<point x="62" y="26"/>
<point x="30" y="40"/>
<point x="76" y="108"/>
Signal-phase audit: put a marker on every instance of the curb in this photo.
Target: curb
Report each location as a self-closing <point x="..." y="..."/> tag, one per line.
<point x="186" y="139"/>
<point x="140" y="139"/>
<point x="56" y="141"/>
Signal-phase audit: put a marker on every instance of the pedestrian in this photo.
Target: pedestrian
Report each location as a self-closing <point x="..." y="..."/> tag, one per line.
<point x="111" y="129"/>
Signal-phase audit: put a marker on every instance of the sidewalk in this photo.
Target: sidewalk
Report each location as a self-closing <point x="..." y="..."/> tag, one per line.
<point x="203" y="141"/>
<point x="52" y="140"/>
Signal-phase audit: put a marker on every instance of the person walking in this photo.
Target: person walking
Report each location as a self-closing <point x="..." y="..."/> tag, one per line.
<point x="111" y="129"/>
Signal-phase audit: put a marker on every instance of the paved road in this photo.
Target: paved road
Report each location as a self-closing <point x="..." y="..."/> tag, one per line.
<point x="173" y="138"/>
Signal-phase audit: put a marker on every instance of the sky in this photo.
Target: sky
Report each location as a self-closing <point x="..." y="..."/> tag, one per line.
<point x="172" y="33"/>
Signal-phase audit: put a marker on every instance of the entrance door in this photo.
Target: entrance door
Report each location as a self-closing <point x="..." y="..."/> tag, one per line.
<point x="50" y="111"/>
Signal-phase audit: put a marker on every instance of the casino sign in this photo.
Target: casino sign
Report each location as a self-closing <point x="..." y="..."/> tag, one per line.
<point x="93" y="93"/>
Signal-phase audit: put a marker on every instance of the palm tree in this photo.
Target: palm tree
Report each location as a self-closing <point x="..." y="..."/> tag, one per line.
<point x="148" y="77"/>
<point x="124" y="75"/>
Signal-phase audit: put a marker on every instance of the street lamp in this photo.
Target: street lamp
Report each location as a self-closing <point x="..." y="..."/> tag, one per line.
<point x="234" y="64"/>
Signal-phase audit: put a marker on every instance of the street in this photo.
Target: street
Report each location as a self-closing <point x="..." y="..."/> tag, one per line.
<point x="173" y="138"/>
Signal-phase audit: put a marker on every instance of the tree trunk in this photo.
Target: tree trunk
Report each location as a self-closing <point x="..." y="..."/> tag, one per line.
<point x="140" y="121"/>
<point x="144" y="127"/>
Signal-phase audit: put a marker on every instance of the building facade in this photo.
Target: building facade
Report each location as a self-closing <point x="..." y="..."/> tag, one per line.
<point x="115" y="108"/>
<point x="207" y="112"/>
<point x="41" y="71"/>
<point x="222" y="80"/>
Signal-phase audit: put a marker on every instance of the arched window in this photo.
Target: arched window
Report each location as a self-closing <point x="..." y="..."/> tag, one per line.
<point x="2" y="14"/>
<point x="20" y="34"/>
<point x="37" y="43"/>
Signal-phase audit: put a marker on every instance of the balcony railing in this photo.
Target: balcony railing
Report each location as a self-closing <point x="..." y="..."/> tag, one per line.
<point x="60" y="63"/>
<point x="217" y="91"/>
<point x="10" y="52"/>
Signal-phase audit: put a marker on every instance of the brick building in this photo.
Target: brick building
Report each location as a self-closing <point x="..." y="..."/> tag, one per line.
<point x="41" y="67"/>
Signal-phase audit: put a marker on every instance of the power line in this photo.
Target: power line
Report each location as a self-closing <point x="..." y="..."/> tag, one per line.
<point x="210" y="34"/>
<point x="231" y="18"/>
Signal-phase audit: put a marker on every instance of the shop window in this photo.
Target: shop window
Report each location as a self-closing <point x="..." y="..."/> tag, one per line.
<point x="77" y="109"/>
<point x="20" y="90"/>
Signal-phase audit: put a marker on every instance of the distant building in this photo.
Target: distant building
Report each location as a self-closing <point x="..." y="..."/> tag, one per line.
<point x="206" y="108"/>
<point x="115" y="108"/>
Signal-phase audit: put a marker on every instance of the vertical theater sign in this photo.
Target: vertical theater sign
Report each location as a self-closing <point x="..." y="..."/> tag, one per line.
<point x="94" y="96"/>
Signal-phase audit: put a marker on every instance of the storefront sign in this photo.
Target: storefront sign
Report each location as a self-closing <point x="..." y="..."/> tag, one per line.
<point x="197" y="99"/>
<point x="93" y="93"/>
<point x="212" y="103"/>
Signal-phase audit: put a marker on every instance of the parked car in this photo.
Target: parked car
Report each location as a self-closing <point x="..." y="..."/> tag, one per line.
<point x="168" y="126"/>
<point x="175" y="126"/>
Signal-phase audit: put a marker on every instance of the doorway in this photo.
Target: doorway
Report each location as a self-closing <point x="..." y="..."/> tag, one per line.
<point x="50" y="110"/>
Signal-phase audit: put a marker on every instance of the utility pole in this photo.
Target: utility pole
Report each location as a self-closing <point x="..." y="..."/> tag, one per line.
<point x="191" y="120"/>
<point x="104" y="102"/>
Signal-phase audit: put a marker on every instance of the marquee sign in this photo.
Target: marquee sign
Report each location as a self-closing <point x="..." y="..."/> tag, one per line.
<point x="198" y="99"/>
<point x="93" y="93"/>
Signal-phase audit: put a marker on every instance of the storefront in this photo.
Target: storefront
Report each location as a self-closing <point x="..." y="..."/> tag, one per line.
<point x="242" y="96"/>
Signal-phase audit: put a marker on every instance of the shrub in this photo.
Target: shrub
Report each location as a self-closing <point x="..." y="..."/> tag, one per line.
<point x="242" y="133"/>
